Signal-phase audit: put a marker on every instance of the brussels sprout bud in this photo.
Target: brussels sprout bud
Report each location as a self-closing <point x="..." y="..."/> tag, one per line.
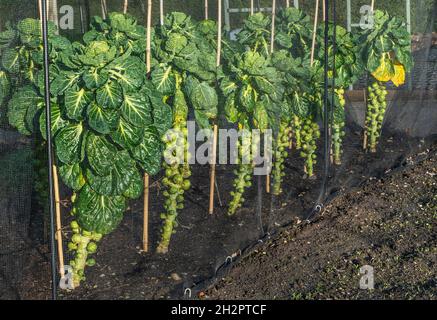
<point x="91" y="262"/>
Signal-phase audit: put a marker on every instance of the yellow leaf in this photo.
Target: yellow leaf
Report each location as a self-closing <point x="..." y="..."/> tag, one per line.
<point x="383" y="73"/>
<point x="399" y="77"/>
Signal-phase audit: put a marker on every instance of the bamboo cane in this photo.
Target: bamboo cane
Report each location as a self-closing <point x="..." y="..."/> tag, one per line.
<point x="251" y="7"/>
<point x="161" y="12"/>
<point x="58" y="222"/>
<point x="287" y="4"/>
<point x="313" y="45"/>
<point x="365" y="132"/>
<point x="125" y="6"/>
<point x="146" y="176"/>
<point x="206" y="9"/>
<point x="104" y="8"/>
<point x="215" y="127"/>
<point x="373" y="5"/>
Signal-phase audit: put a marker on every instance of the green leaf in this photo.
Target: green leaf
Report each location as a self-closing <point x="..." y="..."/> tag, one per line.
<point x="5" y="86"/>
<point x="164" y="81"/>
<point x="72" y="176"/>
<point x="76" y="100"/>
<point x="95" y="78"/>
<point x="119" y="178"/>
<point x="100" y="154"/>
<point x="136" y="187"/>
<point x="148" y="152"/>
<point x="127" y="135"/>
<point x="69" y="143"/>
<point x="110" y="95"/>
<point x="19" y="104"/>
<point x="204" y="99"/>
<point x="136" y="109"/>
<point x="130" y="73"/>
<point x="57" y="121"/>
<point x="11" y="60"/>
<point x="162" y="115"/>
<point x="62" y="82"/>
<point x="102" y="120"/>
<point x="99" y="213"/>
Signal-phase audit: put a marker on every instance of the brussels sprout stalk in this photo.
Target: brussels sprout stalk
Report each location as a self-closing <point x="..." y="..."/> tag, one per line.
<point x="83" y="243"/>
<point x="376" y="108"/>
<point x="243" y="174"/>
<point x="282" y="142"/>
<point x="297" y="127"/>
<point x="338" y="131"/>
<point x="177" y="171"/>
<point x="310" y="134"/>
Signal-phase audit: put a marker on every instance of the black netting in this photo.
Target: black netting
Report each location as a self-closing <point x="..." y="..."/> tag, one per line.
<point x="203" y="245"/>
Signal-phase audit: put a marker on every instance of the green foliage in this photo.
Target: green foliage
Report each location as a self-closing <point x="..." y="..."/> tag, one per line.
<point x="186" y="52"/>
<point x="387" y="41"/>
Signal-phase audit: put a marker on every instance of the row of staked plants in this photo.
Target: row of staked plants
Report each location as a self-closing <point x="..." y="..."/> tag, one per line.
<point x="111" y="119"/>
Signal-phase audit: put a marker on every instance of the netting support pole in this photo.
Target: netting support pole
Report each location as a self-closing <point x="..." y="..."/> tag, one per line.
<point x="146" y="176"/>
<point x="313" y="45"/>
<point x="272" y="48"/>
<point x="43" y="12"/>
<point x="215" y="127"/>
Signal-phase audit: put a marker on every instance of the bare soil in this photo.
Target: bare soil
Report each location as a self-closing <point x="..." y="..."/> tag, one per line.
<point x="389" y="224"/>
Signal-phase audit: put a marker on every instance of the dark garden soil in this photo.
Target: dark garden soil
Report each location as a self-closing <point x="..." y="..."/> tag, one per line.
<point x="388" y="222"/>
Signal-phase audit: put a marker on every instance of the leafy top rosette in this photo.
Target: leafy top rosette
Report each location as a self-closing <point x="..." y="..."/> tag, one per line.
<point x="293" y="32"/>
<point x="256" y="32"/>
<point x="348" y="65"/>
<point x="253" y="91"/>
<point x="386" y="49"/>
<point x="186" y="56"/>
<point x="122" y="31"/>
<point x="21" y="67"/>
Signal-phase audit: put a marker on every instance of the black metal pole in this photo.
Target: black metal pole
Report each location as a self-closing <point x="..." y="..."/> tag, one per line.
<point x="326" y="117"/>
<point x="334" y="52"/>
<point x="49" y="146"/>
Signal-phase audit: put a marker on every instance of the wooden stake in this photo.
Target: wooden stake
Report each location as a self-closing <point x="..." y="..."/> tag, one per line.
<point x="146" y="214"/>
<point x="146" y="176"/>
<point x="58" y="222"/>
<point x="206" y="9"/>
<point x="313" y="46"/>
<point x="104" y="8"/>
<point x="161" y="12"/>
<point x="365" y="130"/>
<point x="125" y="6"/>
<point x="373" y="5"/>
<point x="212" y="177"/>
<point x="287" y="4"/>
<point x="215" y="127"/>
<point x="251" y="7"/>
<point x="272" y="39"/>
